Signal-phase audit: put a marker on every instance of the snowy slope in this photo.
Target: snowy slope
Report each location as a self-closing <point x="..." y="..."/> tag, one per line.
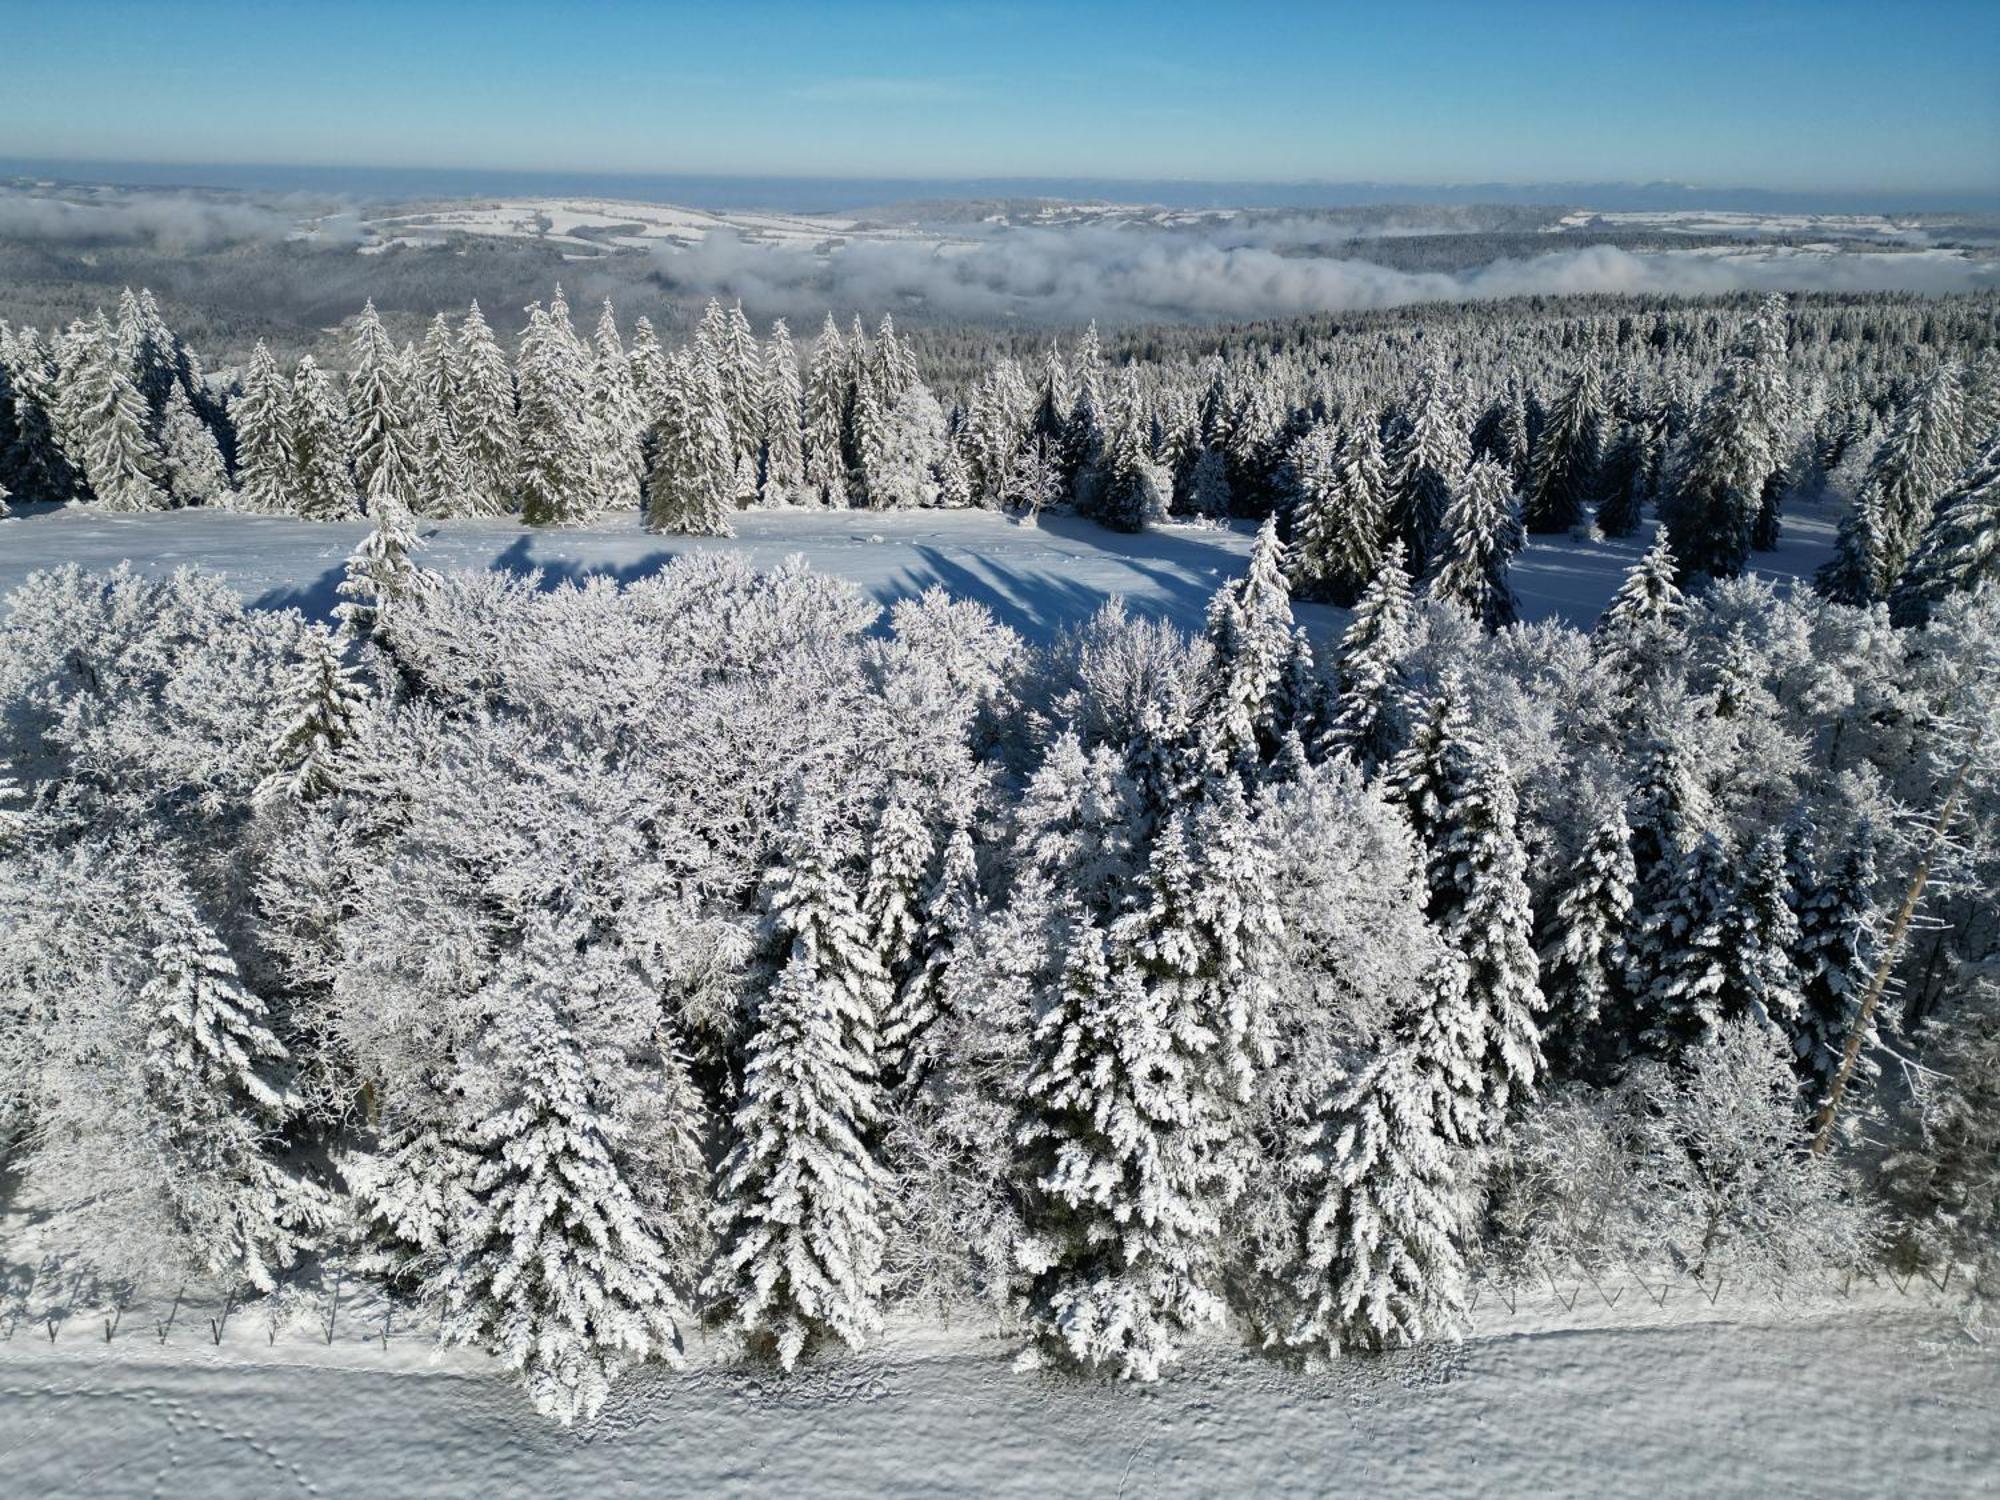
<point x="1033" y="578"/>
<point x="1862" y="1403"/>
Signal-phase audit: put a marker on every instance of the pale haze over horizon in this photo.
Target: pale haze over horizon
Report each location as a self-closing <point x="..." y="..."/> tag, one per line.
<point x="1832" y="98"/>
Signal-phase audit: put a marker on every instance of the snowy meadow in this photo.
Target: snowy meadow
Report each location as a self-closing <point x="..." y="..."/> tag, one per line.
<point x="1266" y="834"/>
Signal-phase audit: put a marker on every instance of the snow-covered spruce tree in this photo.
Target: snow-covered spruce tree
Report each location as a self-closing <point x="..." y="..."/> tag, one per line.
<point x="103" y="409"/>
<point x="560" y="1267"/>
<point x="1563" y="477"/>
<point x="899" y="860"/>
<point x="321" y="712"/>
<point x="1835" y="953"/>
<point x="1960" y="549"/>
<point x="1765" y="970"/>
<point x="826" y="399"/>
<point x="33" y="459"/>
<point x="1682" y="963"/>
<point x="1642" y="632"/>
<point x="1380" y="1264"/>
<point x="191" y="459"/>
<point x="799" y="1198"/>
<point x="692" y="486"/>
<point x="380" y="569"/>
<point x="1480" y="536"/>
<point x="211" y="1070"/>
<point x="1365" y="722"/>
<point x="783" y="422"/>
<point x="1624" y="478"/>
<point x="1250" y="629"/>
<point x="322" y="483"/>
<point x="482" y="415"/>
<point x="1584" y="941"/>
<point x="1715" y="488"/>
<point x="1340" y="516"/>
<point x="615" y="418"/>
<point x="450" y="488"/>
<point x="1464" y="809"/>
<point x="739" y="370"/>
<point x="263" y="417"/>
<point x="950" y="912"/>
<point x="381" y="441"/>
<point x="1132" y="490"/>
<point x="1429" y="455"/>
<point x="557" y="465"/>
<point x="1119" y="1173"/>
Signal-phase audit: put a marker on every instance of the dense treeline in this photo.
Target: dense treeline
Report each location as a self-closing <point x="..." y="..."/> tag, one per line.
<point x="598" y="958"/>
<point x="1451" y="435"/>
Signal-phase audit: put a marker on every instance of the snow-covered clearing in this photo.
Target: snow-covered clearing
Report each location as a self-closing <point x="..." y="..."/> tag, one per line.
<point x="1883" y="1395"/>
<point x="1034" y="578"/>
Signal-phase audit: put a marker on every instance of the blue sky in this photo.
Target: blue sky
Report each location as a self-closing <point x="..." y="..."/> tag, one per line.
<point x="1832" y="95"/>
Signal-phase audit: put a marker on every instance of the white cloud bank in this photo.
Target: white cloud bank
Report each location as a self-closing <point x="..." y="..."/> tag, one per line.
<point x="1070" y="274"/>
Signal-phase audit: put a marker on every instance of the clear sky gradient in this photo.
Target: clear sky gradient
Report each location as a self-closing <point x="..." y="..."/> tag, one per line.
<point x="1801" y="96"/>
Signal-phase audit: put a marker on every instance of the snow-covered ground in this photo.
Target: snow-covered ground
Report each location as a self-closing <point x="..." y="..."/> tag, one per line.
<point x="1033" y="578"/>
<point x="1883" y="1395"/>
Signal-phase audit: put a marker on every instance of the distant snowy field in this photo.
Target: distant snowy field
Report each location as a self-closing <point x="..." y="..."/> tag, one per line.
<point x="1883" y="1396"/>
<point x="1035" y="579"/>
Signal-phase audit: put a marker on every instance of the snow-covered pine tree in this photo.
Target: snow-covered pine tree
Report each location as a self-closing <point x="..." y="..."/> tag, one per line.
<point x="1584" y="941"/>
<point x="558" y="467"/>
<point x="322" y="707"/>
<point x="1465" y="811"/>
<point x="263" y="417"/>
<point x="108" y="417"/>
<point x="1835" y="954"/>
<point x="1371" y="677"/>
<point x="1380" y="1263"/>
<point x="899" y="861"/>
<point x="33" y="460"/>
<point x="322" y="483"/>
<point x="380" y="569"/>
<point x="1716" y="487"/>
<point x="1132" y="490"/>
<point x="381" y="442"/>
<point x="615" y="419"/>
<point x="1250" y="631"/>
<point x="1338" y="519"/>
<point x="1642" y="630"/>
<point x="1481" y="534"/>
<point x="740" y="371"/>
<point x="1623" y="480"/>
<point x="482" y="415"/>
<point x="560" y="1268"/>
<point x="211" y="1070"/>
<point x="799" y="1198"/>
<point x="950" y="911"/>
<point x="782" y="422"/>
<point x="1683" y="962"/>
<point x="1118" y="1168"/>
<point x="1764" y="969"/>
<point x="692" y="485"/>
<point x="1960" y="549"/>
<point x="191" y="458"/>
<point x="826" y="401"/>
<point x="1563" y="478"/>
<point x="1430" y="454"/>
<point x="869" y="426"/>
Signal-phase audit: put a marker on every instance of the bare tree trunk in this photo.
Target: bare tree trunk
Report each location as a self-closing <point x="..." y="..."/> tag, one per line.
<point x="1879" y="983"/>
